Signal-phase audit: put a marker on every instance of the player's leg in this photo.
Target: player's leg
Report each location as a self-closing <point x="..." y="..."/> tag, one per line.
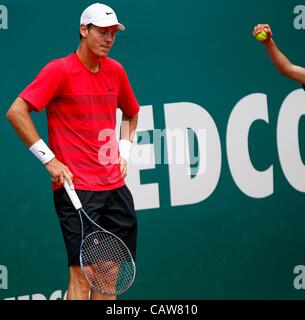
<point x="97" y="296"/>
<point x="79" y="287"/>
<point x="117" y="215"/>
<point x="95" y="203"/>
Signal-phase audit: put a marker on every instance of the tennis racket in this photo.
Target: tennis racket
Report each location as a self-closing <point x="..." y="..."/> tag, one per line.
<point x="105" y="259"/>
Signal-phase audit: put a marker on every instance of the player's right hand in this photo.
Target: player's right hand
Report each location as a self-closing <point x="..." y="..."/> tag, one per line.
<point x="58" y="172"/>
<point x="262" y="27"/>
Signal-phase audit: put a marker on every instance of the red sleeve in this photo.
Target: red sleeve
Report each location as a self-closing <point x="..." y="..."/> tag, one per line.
<point x="46" y="86"/>
<point x="127" y="100"/>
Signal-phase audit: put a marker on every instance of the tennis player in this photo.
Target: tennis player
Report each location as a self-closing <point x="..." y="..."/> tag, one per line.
<point x="81" y="93"/>
<point x="281" y="62"/>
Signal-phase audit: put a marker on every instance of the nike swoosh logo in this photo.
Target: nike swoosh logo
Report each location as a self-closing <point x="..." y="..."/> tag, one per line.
<point x="108" y="13"/>
<point x="43" y="153"/>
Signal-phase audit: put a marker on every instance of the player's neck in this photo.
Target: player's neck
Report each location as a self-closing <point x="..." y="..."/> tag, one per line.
<point x="90" y="61"/>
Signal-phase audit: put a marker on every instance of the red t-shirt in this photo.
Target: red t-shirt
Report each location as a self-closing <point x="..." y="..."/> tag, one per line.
<point x="81" y="111"/>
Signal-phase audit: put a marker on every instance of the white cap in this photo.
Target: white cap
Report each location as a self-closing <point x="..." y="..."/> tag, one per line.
<point x="101" y="16"/>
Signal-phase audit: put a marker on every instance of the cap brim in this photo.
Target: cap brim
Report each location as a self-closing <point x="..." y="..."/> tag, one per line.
<point x="121" y="27"/>
<point x="105" y="25"/>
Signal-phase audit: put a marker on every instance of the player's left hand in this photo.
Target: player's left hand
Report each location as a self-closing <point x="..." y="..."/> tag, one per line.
<point x="123" y="167"/>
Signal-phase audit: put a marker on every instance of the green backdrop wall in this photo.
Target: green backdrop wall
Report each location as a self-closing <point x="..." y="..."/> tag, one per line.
<point x="236" y="231"/>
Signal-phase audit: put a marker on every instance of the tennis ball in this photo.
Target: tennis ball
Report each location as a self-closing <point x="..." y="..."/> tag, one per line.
<point x="261" y="36"/>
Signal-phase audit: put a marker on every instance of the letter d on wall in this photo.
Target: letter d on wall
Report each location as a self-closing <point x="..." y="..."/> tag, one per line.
<point x="183" y="188"/>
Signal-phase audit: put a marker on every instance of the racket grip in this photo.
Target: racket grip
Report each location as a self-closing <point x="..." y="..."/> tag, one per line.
<point x="72" y="195"/>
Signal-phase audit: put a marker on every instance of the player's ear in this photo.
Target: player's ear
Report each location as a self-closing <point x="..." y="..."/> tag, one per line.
<point x="83" y="30"/>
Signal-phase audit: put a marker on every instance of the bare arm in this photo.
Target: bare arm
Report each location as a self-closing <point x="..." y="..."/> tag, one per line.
<point x="20" y="118"/>
<point x="128" y="127"/>
<point x="127" y="132"/>
<point x="281" y="62"/>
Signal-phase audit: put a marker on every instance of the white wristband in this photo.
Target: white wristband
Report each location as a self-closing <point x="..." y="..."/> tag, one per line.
<point x="42" y="151"/>
<point x="124" y="148"/>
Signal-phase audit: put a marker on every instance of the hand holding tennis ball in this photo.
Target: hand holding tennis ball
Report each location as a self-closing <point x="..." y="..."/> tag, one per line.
<point x="261" y="36"/>
<point x="262" y="32"/>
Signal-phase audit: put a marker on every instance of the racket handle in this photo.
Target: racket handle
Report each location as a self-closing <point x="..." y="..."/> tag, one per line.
<point x="72" y="195"/>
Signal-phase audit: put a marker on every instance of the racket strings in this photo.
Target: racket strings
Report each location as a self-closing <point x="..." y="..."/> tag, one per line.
<point x="107" y="263"/>
<point x="108" y="273"/>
